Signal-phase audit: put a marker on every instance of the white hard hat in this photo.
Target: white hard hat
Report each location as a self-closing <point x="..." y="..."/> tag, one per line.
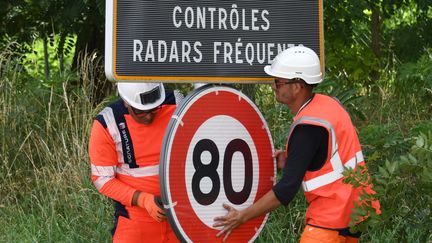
<point x="296" y="62"/>
<point x="142" y="96"/>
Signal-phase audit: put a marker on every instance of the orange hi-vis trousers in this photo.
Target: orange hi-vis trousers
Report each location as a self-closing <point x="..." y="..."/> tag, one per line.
<point x="319" y="235"/>
<point x="134" y="231"/>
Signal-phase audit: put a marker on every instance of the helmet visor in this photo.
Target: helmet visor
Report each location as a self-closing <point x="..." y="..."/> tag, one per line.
<point x="151" y="96"/>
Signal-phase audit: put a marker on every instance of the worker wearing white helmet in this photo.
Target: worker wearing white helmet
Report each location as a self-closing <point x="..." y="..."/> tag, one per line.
<point x="124" y="149"/>
<point x="296" y="63"/>
<point x="322" y="141"/>
<point x="142" y="99"/>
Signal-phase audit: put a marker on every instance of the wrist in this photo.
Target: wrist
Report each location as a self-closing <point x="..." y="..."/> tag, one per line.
<point x="144" y="199"/>
<point x="243" y="216"/>
<point x="135" y="197"/>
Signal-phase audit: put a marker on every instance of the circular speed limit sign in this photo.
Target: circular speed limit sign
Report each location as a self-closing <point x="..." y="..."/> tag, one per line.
<point x="217" y="149"/>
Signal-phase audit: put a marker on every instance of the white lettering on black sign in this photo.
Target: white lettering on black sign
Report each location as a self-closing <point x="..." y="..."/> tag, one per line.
<point x="209" y="38"/>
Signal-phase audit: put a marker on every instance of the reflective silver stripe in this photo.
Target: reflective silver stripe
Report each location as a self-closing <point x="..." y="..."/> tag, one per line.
<point x="321" y="122"/>
<point x="322" y="180"/>
<point x="101" y="181"/>
<point x="336" y="161"/>
<point x="335" y="158"/>
<point x="103" y="170"/>
<point x="105" y="173"/>
<point x="108" y="116"/>
<point x="356" y="160"/>
<point x="332" y="176"/>
<point x="138" y="172"/>
<point x="178" y="96"/>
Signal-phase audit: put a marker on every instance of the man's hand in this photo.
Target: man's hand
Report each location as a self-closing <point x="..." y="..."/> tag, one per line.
<point x="232" y="220"/>
<point x="148" y="201"/>
<point x="280" y="158"/>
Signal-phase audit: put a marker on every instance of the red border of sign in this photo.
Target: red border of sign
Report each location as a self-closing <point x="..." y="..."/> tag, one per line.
<point x="197" y="113"/>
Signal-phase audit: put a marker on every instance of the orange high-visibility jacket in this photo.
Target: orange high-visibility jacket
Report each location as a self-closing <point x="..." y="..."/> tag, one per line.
<point x="125" y="154"/>
<point x="330" y="200"/>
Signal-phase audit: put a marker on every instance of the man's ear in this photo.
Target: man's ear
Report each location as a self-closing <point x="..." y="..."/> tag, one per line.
<point x="298" y="87"/>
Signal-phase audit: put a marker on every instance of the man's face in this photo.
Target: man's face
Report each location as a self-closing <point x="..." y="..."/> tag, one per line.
<point x="145" y="117"/>
<point x="284" y="90"/>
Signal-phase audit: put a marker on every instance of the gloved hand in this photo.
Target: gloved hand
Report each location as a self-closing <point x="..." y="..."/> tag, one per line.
<point x="148" y="201"/>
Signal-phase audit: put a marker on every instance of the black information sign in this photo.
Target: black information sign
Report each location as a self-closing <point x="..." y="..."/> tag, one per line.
<point x="206" y="41"/>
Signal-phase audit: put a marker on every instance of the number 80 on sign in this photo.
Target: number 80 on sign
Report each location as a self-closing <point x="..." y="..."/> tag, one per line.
<point x="217" y="150"/>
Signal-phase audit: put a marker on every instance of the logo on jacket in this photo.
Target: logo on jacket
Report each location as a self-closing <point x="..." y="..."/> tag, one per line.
<point x="126" y="141"/>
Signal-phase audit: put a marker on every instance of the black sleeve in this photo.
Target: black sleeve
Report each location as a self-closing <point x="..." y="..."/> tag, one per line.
<point x="169" y="97"/>
<point x="307" y="150"/>
<point x="172" y="97"/>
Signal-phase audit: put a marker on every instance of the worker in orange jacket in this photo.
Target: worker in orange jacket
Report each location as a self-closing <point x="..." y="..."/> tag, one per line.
<point x="124" y="148"/>
<point x="321" y="142"/>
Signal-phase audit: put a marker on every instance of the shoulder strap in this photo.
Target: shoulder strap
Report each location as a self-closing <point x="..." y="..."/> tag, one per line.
<point x="172" y="97"/>
<point x="112" y="117"/>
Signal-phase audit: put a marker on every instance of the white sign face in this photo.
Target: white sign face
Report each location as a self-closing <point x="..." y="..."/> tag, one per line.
<point x="206" y="41"/>
<point x="217" y="149"/>
<point x="241" y="164"/>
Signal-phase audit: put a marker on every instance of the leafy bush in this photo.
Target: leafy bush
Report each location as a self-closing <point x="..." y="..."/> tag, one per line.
<point x="403" y="188"/>
<point x="416" y="77"/>
<point x="382" y="141"/>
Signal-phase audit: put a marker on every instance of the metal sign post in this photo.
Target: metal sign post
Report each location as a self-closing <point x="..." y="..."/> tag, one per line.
<point x="206" y="41"/>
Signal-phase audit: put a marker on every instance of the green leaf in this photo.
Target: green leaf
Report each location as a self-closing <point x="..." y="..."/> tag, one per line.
<point x="383" y="172"/>
<point x="426" y="175"/>
<point x="391" y="167"/>
<point x="412" y="158"/>
<point x="420" y="142"/>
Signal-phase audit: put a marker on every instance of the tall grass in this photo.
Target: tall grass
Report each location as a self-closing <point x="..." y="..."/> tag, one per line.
<point x="46" y="193"/>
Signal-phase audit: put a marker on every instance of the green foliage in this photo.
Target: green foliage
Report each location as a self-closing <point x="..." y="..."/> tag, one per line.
<point x="404" y="96"/>
<point x="46" y="194"/>
<point x="277" y="115"/>
<point x="382" y="141"/>
<point x="62" y="50"/>
<point x="422" y="127"/>
<point x="403" y="188"/>
<point x="348" y="97"/>
<point x="349" y="58"/>
<point x="404" y="34"/>
<point x="416" y="78"/>
<point x="407" y="29"/>
<point x="285" y="224"/>
<point x="364" y="209"/>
